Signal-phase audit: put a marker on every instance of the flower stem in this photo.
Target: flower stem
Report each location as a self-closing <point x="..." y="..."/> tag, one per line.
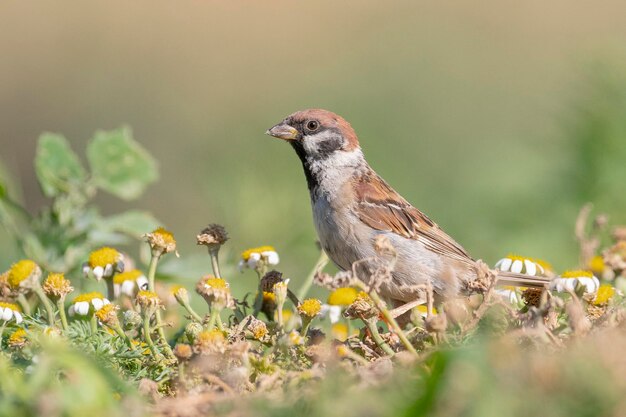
<point x="123" y="335"/>
<point x="212" y="319"/>
<point x="306" y="322"/>
<point x="195" y="316"/>
<point x="94" y="324"/>
<point x="215" y="262"/>
<point x="319" y="265"/>
<point x="146" y="335"/>
<point x="46" y="303"/>
<point x="21" y="299"/>
<point x="61" y="308"/>
<point x="154" y="260"/>
<point x="110" y="288"/>
<point x="371" y="325"/>
<point x="380" y="305"/>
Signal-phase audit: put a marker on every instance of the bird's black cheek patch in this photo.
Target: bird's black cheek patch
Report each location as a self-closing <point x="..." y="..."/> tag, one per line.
<point x="327" y="147"/>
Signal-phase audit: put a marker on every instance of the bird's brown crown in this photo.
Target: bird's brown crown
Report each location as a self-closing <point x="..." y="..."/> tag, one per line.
<point x="330" y="120"/>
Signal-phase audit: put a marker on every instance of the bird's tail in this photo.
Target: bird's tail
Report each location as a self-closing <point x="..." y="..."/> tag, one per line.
<point x="521" y="280"/>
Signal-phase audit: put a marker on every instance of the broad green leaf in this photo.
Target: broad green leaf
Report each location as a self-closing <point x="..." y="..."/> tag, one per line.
<point x="119" y="164"/>
<point x="134" y="223"/>
<point x="57" y="166"/>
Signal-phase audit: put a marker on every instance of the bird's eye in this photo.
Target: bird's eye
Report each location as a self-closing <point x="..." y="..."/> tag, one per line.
<point x="312" y="125"/>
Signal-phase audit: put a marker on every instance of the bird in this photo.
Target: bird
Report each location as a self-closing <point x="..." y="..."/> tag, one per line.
<point x="353" y="207"/>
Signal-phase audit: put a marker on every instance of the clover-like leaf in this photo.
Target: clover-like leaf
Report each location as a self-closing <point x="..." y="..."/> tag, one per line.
<point x="57" y="166"/>
<point x="119" y="164"/>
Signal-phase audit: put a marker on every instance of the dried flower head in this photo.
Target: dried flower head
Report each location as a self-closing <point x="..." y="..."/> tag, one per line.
<point x="104" y="263"/>
<point x="257" y="328"/>
<point x="605" y="293"/>
<point x="10" y="311"/>
<point x="532" y="296"/>
<point x="363" y="307"/>
<point x="161" y="241"/>
<point x="18" y="339"/>
<point x="5" y="288"/>
<point x="56" y="286"/>
<point x="148" y="300"/>
<point x="310" y="307"/>
<point x="216" y="292"/>
<point x="181" y="294"/>
<point x="619" y="233"/>
<point x="332" y="282"/>
<point x="212" y="236"/>
<point x="129" y="282"/>
<point x="210" y="341"/>
<point x="87" y="303"/>
<point x="280" y="291"/>
<point x="108" y="315"/>
<point x="342" y="296"/>
<point x="270" y="279"/>
<point x="24" y="274"/>
<point x="183" y="351"/>
<point x="132" y="319"/>
<point x="192" y="330"/>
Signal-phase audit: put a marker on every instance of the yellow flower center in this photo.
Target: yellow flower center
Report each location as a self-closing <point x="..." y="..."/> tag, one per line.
<point x="605" y="293"/>
<point x="210" y="337"/>
<point x="10" y="306"/>
<point x="216" y="283"/>
<point x="88" y="297"/>
<point x="103" y="257"/>
<point x="310" y="307"/>
<point x="131" y="275"/>
<point x="105" y="312"/>
<point x="174" y="288"/>
<point x="18" y="337"/>
<point x="166" y="235"/>
<point x="339" y="331"/>
<point x="577" y="274"/>
<point x="269" y="297"/>
<point x="424" y="309"/>
<point x="20" y="271"/>
<point x="147" y="294"/>
<point x="56" y="281"/>
<point x="596" y="264"/>
<point x="245" y="255"/>
<point x="342" y="296"/>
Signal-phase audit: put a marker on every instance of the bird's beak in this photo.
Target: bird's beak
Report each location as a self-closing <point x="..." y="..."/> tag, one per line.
<point x="283" y="131"/>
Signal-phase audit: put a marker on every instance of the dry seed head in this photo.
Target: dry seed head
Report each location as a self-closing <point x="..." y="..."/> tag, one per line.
<point x="148" y="299"/>
<point x="181" y="294"/>
<point x="161" y="241"/>
<point x="270" y="279"/>
<point x="24" y="274"/>
<point x="183" y="351"/>
<point x="216" y="292"/>
<point x="56" y="286"/>
<point x="280" y="291"/>
<point x="210" y="341"/>
<point x="362" y="307"/>
<point x="214" y="235"/>
<point x="310" y="307"/>
<point x="257" y="328"/>
<point x="108" y="315"/>
<point x="619" y="233"/>
<point x="532" y="297"/>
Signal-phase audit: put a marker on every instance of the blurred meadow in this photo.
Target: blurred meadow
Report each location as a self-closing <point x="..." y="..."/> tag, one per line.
<point x="500" y="120"/>
<point x="473" y="112"/>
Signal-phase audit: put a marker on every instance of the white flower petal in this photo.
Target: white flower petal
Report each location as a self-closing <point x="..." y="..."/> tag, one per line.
<point x="71" y="311"/>
<point x="18" y="317"/>
<point x="128" y="288"/>
<point x="86" y="269"/>
<point x="116" y="290"/>
<point x="98" y="272"/>
<point x="517" y="266"/>
<point x="105" y="301"/>
<point x="252" y="262"/>
<point x="81" y="308"/>
<point x="255" y="256"/>
<point x="541" y="270"/>
<point x="334" y="314"/>
<point x="97" y="303"/>
<point x="571" y="283"/>
<point x="505" y="265"/>
<point x="7" y="314"/>
<point x="142" y="282"/>
<point x="531" y="268"/>
<point x="108" y="270"/>
<point x="272" y="257"/>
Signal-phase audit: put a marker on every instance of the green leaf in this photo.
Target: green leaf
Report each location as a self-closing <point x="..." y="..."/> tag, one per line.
<point x="134" y="223"/>
<point x="57" y="166"/>
<point x="119" y="164"/>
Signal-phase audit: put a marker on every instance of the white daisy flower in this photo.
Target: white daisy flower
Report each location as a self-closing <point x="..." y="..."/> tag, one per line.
<point x="523" y="265"/>
<point x="104" y="263"/>
<point x="252" y="257"/>
<point x="10" y="311"/>
<point x="128" y="283"/>
<point x="332" y="312"/>
<point x="87" y="303"/>
<point x="569" y="280"/>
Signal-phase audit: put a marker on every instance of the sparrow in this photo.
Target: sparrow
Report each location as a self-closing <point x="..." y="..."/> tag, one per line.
<point x="352" y="206"/>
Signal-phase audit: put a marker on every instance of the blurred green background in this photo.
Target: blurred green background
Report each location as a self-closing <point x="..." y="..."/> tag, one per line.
<point x="498" y="119"/>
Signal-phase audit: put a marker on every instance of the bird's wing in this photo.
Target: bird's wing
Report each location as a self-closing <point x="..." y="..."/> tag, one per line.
<point x="382" y="208"/>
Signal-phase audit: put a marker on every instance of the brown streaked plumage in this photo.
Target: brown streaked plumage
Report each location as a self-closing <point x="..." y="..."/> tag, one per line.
<point x="352" y="205"/>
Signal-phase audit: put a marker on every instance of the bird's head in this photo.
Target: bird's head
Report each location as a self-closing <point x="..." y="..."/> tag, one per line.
<point x="316" y="133"/>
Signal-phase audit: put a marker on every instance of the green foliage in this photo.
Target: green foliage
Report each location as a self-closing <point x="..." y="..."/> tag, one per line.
<point x="62" y="234"/>
<point x="120" y="165"/>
